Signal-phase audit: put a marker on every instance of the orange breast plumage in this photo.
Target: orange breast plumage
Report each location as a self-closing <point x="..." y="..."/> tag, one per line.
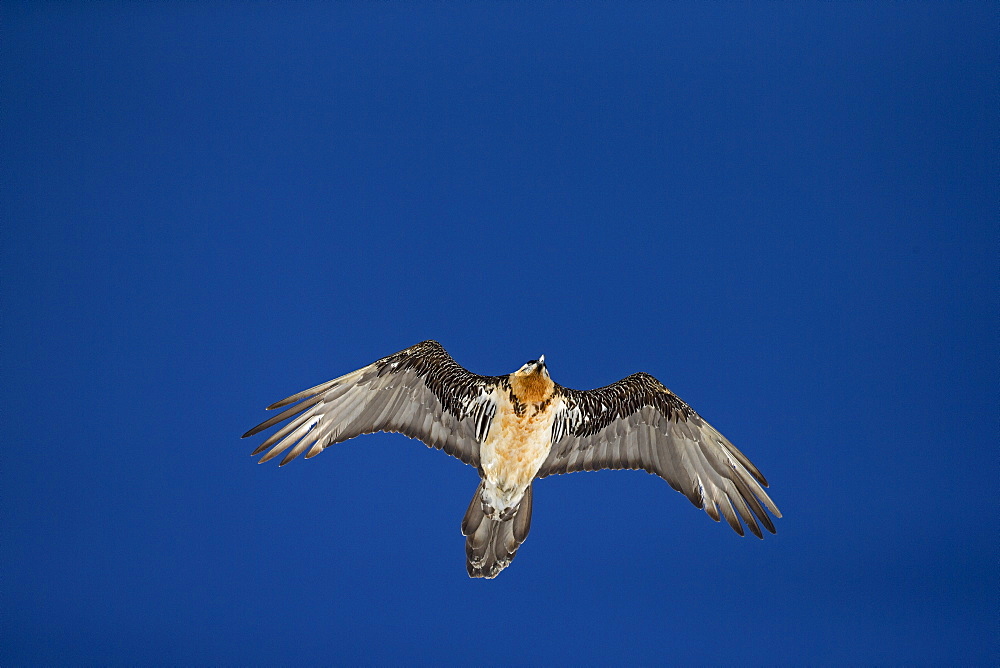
<point x="517" y="444"/>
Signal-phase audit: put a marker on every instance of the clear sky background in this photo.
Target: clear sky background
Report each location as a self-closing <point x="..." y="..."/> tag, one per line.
<point x="787" y="212"/>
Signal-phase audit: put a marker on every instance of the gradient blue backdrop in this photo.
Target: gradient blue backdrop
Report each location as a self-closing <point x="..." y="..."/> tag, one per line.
<point x="786" y="212"/>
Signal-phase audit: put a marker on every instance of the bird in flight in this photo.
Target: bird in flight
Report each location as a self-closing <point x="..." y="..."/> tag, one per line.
<point x="520" y="427"/>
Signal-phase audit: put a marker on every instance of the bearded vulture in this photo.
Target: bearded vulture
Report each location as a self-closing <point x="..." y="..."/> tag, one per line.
<point x="520" y="427"/>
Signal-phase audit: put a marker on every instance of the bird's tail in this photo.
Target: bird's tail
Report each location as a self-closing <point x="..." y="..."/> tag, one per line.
<point x="492" y="543"/>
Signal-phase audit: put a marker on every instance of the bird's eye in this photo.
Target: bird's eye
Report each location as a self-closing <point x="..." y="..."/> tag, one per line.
<point x="531" y="362"/>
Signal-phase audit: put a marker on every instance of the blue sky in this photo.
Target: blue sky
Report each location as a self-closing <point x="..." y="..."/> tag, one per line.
<point x="785" y="212"/>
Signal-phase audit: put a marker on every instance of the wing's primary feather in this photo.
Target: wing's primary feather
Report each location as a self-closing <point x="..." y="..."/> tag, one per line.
<point x="637" y="423"/>
<point x="420" y="392"/>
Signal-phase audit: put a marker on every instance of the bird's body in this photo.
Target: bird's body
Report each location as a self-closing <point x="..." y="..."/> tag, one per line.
<point x="518" y="440"/>
<point x="517" y="428"/>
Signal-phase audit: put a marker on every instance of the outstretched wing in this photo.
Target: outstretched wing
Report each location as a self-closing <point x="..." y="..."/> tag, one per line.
<point x="420" y="392"/>
<point x="637" y="423"/>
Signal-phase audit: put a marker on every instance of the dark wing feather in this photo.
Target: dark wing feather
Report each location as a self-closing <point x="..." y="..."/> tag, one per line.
<point x="420" y="392"/>
<point x="637" y="423"/>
